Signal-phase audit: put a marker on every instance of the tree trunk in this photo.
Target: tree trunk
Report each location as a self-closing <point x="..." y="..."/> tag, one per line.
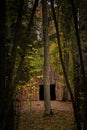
<point x="63" y="67"/>
<point x="66" y="62"/>
<point x="76" y="80"/>
<point x="6" y="118"/>
<point x="65" y="25"/>
<point x="83" y="75"/>
<point x="83" y="34"/>
<point x="46" y="59"/>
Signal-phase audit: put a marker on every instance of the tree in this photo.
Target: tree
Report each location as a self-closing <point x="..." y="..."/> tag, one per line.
<point x="9" y="74"/>
<point x="63" y="66"/>
<point x="3" y="52"/>
<point x="82" y="67"/>
<point x="83" y="32"/>
<point x="65" y="28"/>
<point x="5" y="117"/>
<point x="46" y="59"/>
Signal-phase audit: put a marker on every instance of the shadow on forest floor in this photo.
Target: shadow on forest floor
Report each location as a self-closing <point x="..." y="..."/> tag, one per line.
<point x="62" y="118"/>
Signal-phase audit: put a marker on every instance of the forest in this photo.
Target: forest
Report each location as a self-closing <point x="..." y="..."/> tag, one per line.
<point x="43" y="62"/>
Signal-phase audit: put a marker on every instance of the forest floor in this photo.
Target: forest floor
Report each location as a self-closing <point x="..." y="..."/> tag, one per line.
<point x="62" y="118"/>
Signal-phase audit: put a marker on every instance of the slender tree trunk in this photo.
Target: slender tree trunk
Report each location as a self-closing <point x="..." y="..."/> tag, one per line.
<point x="46" y="59"/>
<point x="62" y="63"/>
<point x="66" y="63"/>
<point x="65" y="26"/>
<point x="83" y="75"/>
<point x="83" y="34"/>
<point x="77" y="81"/>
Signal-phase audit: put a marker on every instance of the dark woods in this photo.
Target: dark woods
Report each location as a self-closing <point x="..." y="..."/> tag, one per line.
<point x="17" y="20"/>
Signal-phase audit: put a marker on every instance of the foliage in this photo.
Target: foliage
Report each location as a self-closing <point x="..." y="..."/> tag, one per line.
<point x="54" y="57"/>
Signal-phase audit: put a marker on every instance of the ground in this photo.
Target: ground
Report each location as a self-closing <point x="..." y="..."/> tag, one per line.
<point x="31" y="118"/>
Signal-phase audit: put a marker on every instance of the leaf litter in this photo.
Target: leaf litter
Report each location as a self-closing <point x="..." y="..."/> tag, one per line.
<point x="60" y="120"/>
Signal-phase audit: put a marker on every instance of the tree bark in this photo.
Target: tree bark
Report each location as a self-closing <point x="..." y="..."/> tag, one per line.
<point x="83" y="75"/>
<point x="76" y="80"/>
<point x="46" y="59"/>
<point x="4" y="117"/>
